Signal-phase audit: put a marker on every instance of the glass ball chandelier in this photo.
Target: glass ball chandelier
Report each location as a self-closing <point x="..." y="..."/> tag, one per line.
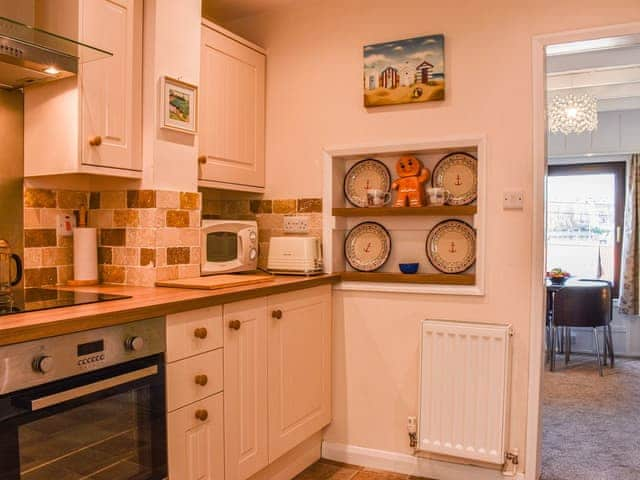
<point x="573" y="113"/>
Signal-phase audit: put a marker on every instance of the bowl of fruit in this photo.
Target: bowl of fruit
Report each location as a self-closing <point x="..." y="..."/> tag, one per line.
<point x="558" y="276"/>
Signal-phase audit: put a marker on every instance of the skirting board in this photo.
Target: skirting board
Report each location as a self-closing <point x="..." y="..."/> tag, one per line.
<point x="408" y="464"/>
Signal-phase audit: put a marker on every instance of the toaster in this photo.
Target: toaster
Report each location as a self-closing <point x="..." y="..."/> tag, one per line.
<point x="295" y="255"/>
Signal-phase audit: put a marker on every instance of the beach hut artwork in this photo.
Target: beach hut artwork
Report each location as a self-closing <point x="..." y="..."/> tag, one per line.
<point x="404" y="71"/>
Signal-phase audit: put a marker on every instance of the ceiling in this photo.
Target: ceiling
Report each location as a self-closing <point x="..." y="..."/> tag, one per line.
<point x="229" y="10"/>
<point x="608" y="69"/>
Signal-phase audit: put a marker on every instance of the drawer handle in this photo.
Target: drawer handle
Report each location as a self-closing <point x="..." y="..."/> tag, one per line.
<point x="200" y="333"/>
<point x="202" y="159"/>
<point x="201" y="380"/>
<point x="95" y="141"/>
<point x="202" y="415"/>
<point x="235" y="324"/>
<point x="276" y="314"/>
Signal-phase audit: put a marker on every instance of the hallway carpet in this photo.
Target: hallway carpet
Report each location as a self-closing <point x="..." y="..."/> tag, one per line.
<point x="591" y="424"/>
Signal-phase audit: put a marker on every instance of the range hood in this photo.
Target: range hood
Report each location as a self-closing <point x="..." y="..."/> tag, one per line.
<point x="29" y="55"/>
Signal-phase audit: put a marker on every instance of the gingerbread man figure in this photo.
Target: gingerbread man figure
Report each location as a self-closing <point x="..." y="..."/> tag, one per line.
<point x="410" y="184"/>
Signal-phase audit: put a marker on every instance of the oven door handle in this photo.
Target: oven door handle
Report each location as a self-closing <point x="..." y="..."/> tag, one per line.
<point x="84" y="390"/>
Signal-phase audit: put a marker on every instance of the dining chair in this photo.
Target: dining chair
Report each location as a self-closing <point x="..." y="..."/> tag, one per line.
<point x="583" y="306"/>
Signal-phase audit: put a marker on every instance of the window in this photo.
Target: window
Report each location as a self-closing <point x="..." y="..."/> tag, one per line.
<point x="585" y="212"/>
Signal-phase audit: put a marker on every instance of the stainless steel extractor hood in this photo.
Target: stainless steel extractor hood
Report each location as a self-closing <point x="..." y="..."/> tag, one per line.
<point x="29" y="55"/>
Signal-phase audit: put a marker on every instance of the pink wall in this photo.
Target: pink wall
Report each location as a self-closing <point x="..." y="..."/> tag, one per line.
<point x="314" y="100"/>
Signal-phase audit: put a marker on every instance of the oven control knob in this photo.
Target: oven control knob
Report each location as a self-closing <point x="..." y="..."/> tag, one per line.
<point x="253" y="254"/>
<point x="252" y="236"/>
<point x="134" y="344"/>
<point x="43" y="364"/>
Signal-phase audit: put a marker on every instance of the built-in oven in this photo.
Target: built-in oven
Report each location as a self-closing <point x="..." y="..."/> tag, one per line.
<point x="85" y="406"/>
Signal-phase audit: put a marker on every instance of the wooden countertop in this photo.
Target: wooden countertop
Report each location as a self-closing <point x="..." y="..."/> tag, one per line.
<point x="146" y="302"/>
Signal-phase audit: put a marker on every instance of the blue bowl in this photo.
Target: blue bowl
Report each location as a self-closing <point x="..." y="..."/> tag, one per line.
<point x="409" y="267"/>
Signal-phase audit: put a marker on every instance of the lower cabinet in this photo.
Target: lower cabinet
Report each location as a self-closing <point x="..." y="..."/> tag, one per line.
<point x="276" y="382"/>
<point x="299" y="367"/>
<point x="196" y="440"/>
<point x="245" y="384"/>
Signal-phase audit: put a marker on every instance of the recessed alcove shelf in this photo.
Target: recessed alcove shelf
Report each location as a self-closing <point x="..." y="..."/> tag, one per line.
<point x="408" y="227"/>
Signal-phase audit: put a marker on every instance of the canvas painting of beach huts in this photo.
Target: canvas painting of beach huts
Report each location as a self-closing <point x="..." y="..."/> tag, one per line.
<point x="404" y="71"/>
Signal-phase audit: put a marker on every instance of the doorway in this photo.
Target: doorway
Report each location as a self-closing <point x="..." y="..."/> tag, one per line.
<point x="585" y="425"/>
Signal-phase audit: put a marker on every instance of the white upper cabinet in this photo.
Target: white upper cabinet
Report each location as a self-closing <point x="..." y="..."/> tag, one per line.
<point x="90" y="123"/>
<point x="232" y="112"/>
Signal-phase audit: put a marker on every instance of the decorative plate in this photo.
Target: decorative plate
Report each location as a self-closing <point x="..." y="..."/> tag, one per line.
<point x="457" y="173"/>
<point x="451" y="246"/>
<point x="367" y="246"/>
<point x="365" y="174"/>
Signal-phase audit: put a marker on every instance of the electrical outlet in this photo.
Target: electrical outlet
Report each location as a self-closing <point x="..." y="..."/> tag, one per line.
<point x="296" y="224"/>
<point x="513" y="200"/>
<point x="65" y="224"/>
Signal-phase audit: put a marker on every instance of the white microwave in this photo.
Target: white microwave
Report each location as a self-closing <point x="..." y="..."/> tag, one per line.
<point x="229" y="246"/>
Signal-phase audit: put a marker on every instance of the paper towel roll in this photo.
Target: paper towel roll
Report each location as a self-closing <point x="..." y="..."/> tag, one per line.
<point x="85" y="254"/>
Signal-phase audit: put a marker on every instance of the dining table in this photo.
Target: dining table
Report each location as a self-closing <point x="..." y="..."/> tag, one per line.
<point x="553" y="288"/>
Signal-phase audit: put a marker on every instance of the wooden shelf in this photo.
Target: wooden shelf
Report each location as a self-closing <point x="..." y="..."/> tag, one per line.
<point x="417" y="278"/>
<point x="444" y="210"/>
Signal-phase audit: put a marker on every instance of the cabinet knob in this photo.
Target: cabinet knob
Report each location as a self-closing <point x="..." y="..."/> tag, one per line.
<point x="200" y="333"/>
<point x="95" y="141"/>
<point x="202" y="414"/>
<point x="235" y="324"/>
<point x="201" y="380"/>
<point x="276" y="314"/>
<point x="202" y="159"/>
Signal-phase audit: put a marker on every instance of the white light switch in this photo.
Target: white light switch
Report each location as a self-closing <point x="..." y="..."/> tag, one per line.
<point x="513" y="200"/>
<point x="65" y="224"/>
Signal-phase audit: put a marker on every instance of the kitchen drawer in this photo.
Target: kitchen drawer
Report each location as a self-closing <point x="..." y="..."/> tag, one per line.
<point x="183" y="377"/>
<point x="193" y="332"/>
<point x="196" y="441"/>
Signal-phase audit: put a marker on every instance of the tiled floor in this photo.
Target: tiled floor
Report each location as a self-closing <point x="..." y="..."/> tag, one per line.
<point x="328" y="470"/>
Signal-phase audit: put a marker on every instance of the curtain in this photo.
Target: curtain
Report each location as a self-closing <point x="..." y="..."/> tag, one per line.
<point x="629" y="303"/>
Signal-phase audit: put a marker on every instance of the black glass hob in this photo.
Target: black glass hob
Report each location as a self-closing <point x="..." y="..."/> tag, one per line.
<point x="33" y="299"/>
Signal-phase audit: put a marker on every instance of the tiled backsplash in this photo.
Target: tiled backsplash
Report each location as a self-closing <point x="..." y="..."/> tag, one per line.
<point x="143" y="235"/>
<point x="268" y="213"/>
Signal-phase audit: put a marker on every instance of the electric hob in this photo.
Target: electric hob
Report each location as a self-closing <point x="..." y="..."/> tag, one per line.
<point x="32" y="299"/>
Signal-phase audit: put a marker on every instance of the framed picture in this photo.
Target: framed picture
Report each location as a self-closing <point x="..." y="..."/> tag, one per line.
<point x="404" y="71"/>
<point x="179" y="105"/>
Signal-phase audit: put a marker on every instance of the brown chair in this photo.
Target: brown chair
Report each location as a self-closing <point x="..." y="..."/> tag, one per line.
<point x="583" y="306"/>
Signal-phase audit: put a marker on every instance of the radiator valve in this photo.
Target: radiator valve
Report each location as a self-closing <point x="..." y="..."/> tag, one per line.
<point x="511" y="463"/>
<point x="412" y="427"/>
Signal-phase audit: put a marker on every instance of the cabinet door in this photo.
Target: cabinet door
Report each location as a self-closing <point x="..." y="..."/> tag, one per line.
<point x="111" y="88"/>
<point x="299" y="367"/>
<point x="232" y="112"/>
<point x="245" y="385"/>
<point x="196" y="437"/>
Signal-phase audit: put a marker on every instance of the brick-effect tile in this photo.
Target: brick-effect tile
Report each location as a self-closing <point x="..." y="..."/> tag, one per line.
<point x="114" y="237"/>
<point x="178" y="218"/>
<point x="71" y="200"/>
<point x="55" y="256"/>
<point x="284" y="206"/>
<point x="105" y="255"/>
<point x="40" y="238"/>
<point x="261" y="206"/>
<point x="178" y="255"/>
<point x="189" y="200"/>
<point x="112" y="274"/>
<point x="113" y="199"/>
<point x="310" y="205"/>
<point x="39" y="198"/>
<point x="147" y="256"/>
<point x="94" y="200"/>
<point x="37" y="277"/>
<point x="126" y="218"/>
<point x="141" y="198"/>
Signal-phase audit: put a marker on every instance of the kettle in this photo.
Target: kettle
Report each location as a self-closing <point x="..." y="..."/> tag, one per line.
<point x="7" y="280"/>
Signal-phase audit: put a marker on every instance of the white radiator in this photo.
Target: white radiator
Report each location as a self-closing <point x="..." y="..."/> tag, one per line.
<point x="464" y="390"/>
